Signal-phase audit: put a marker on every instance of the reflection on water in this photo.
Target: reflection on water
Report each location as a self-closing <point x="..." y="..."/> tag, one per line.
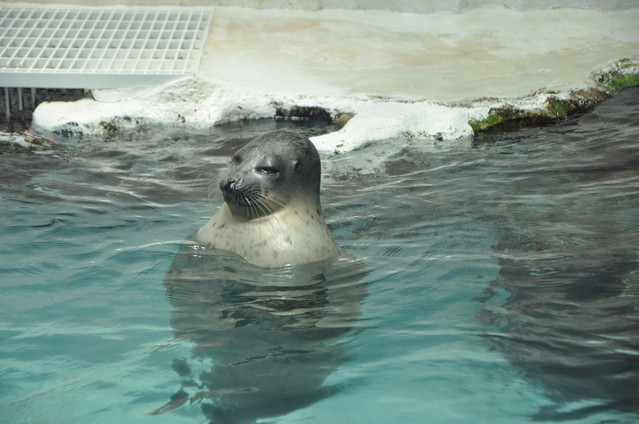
<point x="273" y="334"/>
<point x="568" y="260"/>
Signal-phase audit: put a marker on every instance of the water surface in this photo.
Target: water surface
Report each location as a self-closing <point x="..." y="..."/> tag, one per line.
<point x="495" y="280"/>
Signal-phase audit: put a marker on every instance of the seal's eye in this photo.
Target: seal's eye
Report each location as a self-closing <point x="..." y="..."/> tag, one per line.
<point x="269" y="170"/>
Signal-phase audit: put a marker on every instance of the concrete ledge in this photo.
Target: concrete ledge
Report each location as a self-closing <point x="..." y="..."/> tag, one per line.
<point x="441" y="75"/>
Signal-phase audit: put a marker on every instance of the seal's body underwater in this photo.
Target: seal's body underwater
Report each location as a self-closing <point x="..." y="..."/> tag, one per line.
<point x="272" y="214"/>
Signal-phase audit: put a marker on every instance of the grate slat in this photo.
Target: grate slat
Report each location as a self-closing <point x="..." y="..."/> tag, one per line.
<point x="99" y="47"/>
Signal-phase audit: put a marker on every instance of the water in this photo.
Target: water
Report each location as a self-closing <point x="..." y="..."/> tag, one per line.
<point x="492" y="280"/>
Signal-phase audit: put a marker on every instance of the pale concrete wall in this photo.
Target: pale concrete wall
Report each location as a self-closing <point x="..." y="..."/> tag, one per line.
<point x="419" y="6"/>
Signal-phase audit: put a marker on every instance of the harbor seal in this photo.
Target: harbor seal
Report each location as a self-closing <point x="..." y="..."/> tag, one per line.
<point x="274" y="335"/>
<point x="272" y="214"/>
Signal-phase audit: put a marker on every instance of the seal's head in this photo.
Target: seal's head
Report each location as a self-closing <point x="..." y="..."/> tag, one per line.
<point x="269" y="172"/>
<point x="271" y="213"/>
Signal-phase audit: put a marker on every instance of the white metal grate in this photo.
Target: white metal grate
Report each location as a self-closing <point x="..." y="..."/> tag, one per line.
<point x="75" y="47"/>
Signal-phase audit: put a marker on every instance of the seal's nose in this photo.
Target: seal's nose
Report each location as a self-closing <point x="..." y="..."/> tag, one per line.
<point x="229" y="184"/>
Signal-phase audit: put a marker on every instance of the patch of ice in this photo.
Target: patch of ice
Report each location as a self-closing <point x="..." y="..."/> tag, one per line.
<point x="376" y="121"/>
<point x="197" y="103"/>
<point x="18" y="139"/>
<point x="200" y="103"/>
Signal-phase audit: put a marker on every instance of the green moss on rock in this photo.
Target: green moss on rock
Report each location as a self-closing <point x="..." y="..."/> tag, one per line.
<point x="510" y="118"/>
<point x="615" y="83"/>
<point x="623" y="74"/>
<point x="341" y="118"/>
<point x="502" y="118"/>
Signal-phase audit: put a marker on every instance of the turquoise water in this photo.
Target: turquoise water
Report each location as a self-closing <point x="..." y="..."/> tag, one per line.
<point x="495" y="280"/>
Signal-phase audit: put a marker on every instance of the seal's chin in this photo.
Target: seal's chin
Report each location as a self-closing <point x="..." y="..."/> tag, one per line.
<point x="236" y="199"/>
<point x="248" y="206"/>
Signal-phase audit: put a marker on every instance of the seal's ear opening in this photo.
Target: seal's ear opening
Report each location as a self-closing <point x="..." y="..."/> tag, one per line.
<point x="298" y="166"/>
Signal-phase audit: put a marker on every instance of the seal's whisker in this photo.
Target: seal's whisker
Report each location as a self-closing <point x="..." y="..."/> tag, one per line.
<point x="279" y="204"/>
<point x="213" y="190"/>
<point x="254" y="205"/>
<point x="274" y="202"/>
<point x="213" y="193"/>
<point x="266" y="205"/>
<point x="259" y="207"/>
<point x="273" y="205"/>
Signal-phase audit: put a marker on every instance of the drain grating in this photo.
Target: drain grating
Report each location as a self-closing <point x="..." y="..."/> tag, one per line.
<point x="75" y="47"/>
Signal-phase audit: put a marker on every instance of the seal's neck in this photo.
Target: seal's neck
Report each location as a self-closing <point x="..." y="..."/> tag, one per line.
<point x="292" y="235"/>
<point x="268" y="208"/>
